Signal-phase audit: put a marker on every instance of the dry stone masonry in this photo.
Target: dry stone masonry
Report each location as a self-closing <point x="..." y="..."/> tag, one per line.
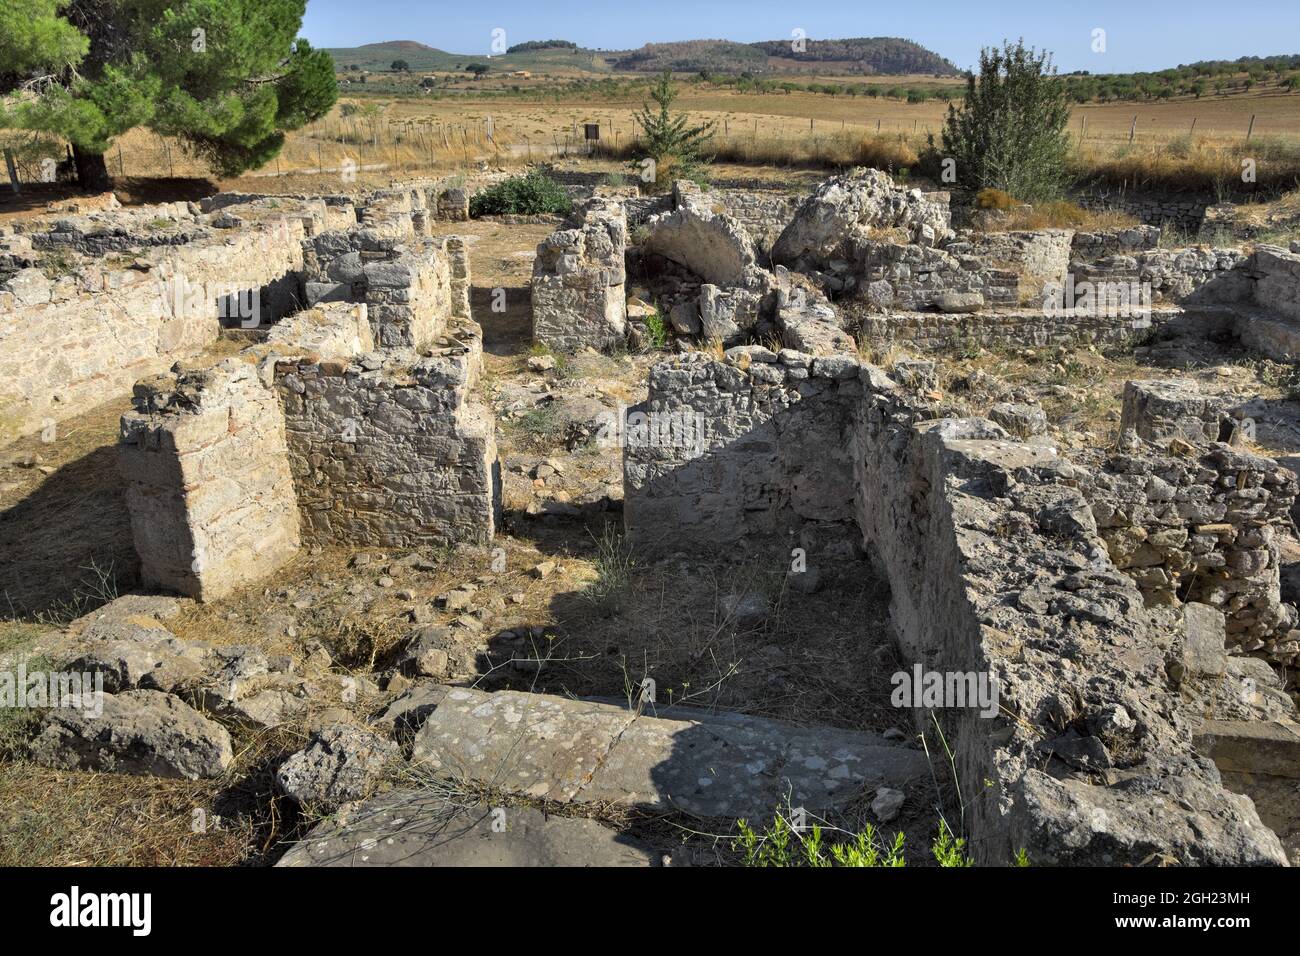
<point x="353" y="422"/>
<point x="578" y="282"/>
<point x="207" y="479"/>
<point x="996" y="565"/>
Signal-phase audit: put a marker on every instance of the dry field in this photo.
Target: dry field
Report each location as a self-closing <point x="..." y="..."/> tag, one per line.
<point x="403" y="136"/>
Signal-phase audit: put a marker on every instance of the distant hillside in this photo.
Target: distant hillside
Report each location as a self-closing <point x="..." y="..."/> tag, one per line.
<point x="545" y="56"/>
<point x="888" y="55"/>
<point x="692" y="56"/>
<point x="858" y="56"/>
<point x="862" y="55"/>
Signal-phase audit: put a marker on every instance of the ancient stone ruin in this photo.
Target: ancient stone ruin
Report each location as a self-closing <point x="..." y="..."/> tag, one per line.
<point x="309" y="383"/>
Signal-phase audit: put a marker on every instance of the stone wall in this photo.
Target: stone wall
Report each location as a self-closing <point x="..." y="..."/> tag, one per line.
<point x="1088" y="246"/>
<point x="755" y="446"/>
<point x="1202" y="527"/>
<point x="1277" y="284"/>
<point x="578" y="292"/>
<point x="910" y="277"/>
<point x="70" y="343"/>
<point x="1193" y="276"/>
<point x="1181" y="211"/>
<point x="333" y="330"/>
<point x="206" y="470"/>
<point x="1019" y="328"/>
<point x="995" y="567"/>
<point x="391" y="450"/>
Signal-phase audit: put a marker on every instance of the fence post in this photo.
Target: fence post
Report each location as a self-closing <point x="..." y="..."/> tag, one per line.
<point x="1251" y="128"/>
<point x="1132" y="130"/>
<point x="13" y="171"/>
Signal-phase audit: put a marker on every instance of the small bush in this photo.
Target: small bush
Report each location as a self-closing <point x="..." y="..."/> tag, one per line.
<point x="658" y="330"/>
<point x="531" y="195"/>
<point x="782" y="845"/>
<point x="990" y="198"/>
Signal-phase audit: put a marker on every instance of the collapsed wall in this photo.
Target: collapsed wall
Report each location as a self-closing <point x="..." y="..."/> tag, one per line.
<point x="996" y="567"/>
<point x="206" y="470"/>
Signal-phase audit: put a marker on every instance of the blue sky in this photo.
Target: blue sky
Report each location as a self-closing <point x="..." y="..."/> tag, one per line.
<point x="1140" y="34"/>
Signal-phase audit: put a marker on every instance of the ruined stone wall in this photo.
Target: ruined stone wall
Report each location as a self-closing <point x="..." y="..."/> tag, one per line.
<point x="206" y="470"/>
<point x="1187" y="276"/>
<point x="1202" y="528"/>
<point x="335" y="330"/>
<point x="578" y="286"/>
<point x="754" y="446"/>
<point x="1277" y="283"/>
<point x="909" y="277"/>
<point x="1181" y="211"/>
<point x="1016" y="328"/>
<point x="764" y="214"/>
<point x="995" y="567"/>
<point x="391" y="450"/>
<point x="70" y="343"/>
<point x="1038" y="258"/>
<point x="1087" y="246"/>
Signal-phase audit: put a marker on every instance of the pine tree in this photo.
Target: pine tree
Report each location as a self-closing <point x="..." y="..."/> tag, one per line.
<point x="1009" y="133"/>
<point x="225" y="76"/>
<point x="677" y="147"/>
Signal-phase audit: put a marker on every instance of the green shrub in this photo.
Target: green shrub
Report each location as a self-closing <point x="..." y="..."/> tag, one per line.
<point x="782" y="845"/>
<point x="532" y="195"/>
<point x="1009" y="132"/>
<point x="658" y="330"/>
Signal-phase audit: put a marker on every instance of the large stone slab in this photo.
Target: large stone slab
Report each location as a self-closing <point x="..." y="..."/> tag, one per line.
<point x="584" y="752"/>
<point x="416" y="828"/>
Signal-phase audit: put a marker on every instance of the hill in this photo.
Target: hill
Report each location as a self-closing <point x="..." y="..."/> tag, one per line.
<point x="848" y="57"/>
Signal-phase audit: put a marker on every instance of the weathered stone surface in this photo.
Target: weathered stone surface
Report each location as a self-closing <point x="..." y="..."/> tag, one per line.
<point x="139" y="732"/>
<point x="771" y="455"/>
<point x="578" y="285"/>
<point x="850" y="207"/>
<point x="1202" y="527"/>
<point x="959" y="302"/>
<point x="580" y="752"/>
<point x="393" y="450"/>
<point x="1252" y="746"/>
<point x="1204" y="640"/>
<point x="340" y="763"/>
<point x="709" y="243"/>
<point x="336" y="330"/>
<point x="1019" y="419"/>
<point x="1162" y="409"/>
<point x="414" y="828"/>
<point x="207" y="480"/>
<point x="1278" y="285"/>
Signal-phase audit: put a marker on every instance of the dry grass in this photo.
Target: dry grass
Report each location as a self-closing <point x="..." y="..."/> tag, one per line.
<point x="1202" y="164"/>
<point x="67" y="818"/>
